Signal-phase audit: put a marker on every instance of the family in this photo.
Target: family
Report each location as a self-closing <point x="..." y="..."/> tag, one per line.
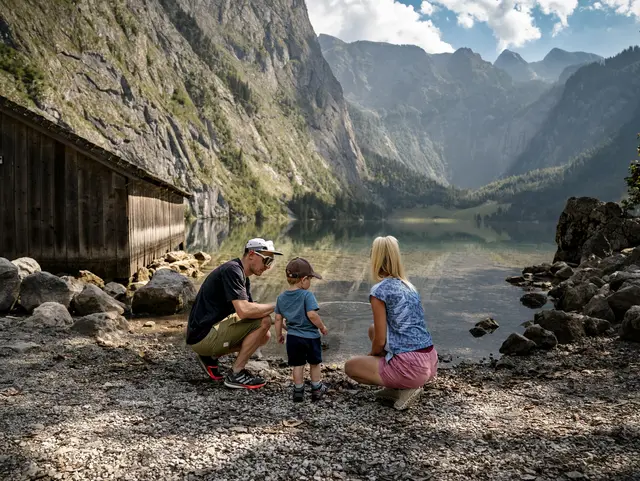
<point x="224" y="320"/>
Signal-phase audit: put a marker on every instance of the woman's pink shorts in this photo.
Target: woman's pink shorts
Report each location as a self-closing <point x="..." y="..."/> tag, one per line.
<point x="409" y="370"/>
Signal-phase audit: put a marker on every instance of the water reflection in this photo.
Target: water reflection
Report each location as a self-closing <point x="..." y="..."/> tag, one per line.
<point x="459" y="268"/>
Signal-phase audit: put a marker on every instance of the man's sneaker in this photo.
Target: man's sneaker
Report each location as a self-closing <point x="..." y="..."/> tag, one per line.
<point x="210" y="366"/>
<point x="298" y="394"/>
<point x="406" y="397"/>
<point x="243" y="380"/>
<point x="387" y="394"/>
<point x="318" y="392"/>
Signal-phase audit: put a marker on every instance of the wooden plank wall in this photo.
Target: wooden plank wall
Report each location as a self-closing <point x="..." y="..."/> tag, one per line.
<point x="156" y="222"/>
<point x="66" y="210"/>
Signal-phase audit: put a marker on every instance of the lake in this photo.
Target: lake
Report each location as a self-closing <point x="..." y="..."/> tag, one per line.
<point x="458" y="266"/>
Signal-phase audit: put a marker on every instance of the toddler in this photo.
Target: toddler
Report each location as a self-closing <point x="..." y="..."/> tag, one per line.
<point x="299" y="307"/>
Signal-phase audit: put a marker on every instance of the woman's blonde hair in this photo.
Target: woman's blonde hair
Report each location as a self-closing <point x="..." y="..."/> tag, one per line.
<point x="386" y="260"/>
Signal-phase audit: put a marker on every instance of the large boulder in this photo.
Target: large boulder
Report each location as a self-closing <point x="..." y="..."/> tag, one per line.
<point x="622" y="300"/>
<point x="588" y="226"/>
<point x="517" y="345"/>
<point x="575" y="298"/>
<point x="167" y="293"/>
<point x="9" y="284"/>
<point x="93" y="300"/>
<point x="544" y="339"/>
<point x="567" y="327"/>
<point x="612" y="264"/>
<point x="595" y="327"/>
<point x="599" y="308"/>
<point x="534" y="300"/>
<point x="630" y="327"/>
<point x="117" y="291"/>
<point x="89" y="277"/>
<point x="41" y="287"/>
<point x="76" y="285"/>
<point x="617" y="279"/>
<point x="26" y="266"/>
<point x="50" y="314"/>
<point x="107" y="327"/>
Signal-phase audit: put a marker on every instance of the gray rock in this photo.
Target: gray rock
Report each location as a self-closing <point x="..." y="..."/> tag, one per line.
<point x="76" y="285"/>
<point x="595" y="327"/>
<point x="542" y="269"/>
<point x="41" y="287"/>
<point x="9" y="284"/>
<point x="630" y="327"/>
<point x="505" y="363"/>
<point x="515" y="280"/>
<point x="100" y="323"/>
<point x="565" y="272"/>
<point x="613" y="263"/>
<point x="605" y="291"/>
<point x="488" y="324"/>
<point x="534" y="300"/>
<point x="93" y="300"/>
<point x="598" y="307"/>
<point x="558" y="266"/>
<point x="117" y="291"/>
<point x="478" y="332"/>
<point x="622" y="300"/>
<point x="575" y="298"/>
<point x="598" y="245"/>
<point x="167" y="293"/>
<point x="50" y="314"/>
<point x="617" y="279"/>
<point x="543" y="338"/>
<point x="21" y="346"/>
<point x="26" y="266"/>
<point x="517" y="345"/>
<point x="567" y="327"/>
<point x="559" y="291"/>
<point x="89" y="277"/>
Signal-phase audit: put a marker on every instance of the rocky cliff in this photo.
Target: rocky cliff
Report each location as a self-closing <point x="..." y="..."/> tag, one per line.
<point x="229" y="99"/>
<point x="453" y="117"/>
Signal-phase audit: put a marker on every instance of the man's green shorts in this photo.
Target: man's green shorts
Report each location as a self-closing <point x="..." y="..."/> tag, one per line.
<point x="226" y="336"/>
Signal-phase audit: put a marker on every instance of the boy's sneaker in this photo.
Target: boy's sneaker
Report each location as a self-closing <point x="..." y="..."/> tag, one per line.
<point x="243" y="380"/>
<point x="210" y="366"/>
<point x="298" y="394"/>
<point x="406" y="397"/>
<point x="318" y="392"/>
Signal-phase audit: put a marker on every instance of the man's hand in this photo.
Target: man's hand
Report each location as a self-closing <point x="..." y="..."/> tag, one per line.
<point x="324" y="330"/>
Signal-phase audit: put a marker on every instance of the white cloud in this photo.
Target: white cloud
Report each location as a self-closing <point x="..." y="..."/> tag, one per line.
<point x="621" y="7"/>
<point x="428" y="8"/>
<point x="378" y="21"/>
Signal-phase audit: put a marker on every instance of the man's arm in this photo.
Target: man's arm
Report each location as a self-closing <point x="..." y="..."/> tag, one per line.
<point x="314" y="317"/>
<point x="379" y="327"/>
<point x="252" y="310"/>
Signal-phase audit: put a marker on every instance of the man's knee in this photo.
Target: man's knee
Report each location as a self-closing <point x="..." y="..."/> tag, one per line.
<point x="265" y="324"/>
<point x="267" y="336"/>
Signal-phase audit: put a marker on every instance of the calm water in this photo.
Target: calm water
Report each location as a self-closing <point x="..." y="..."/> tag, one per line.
<point x="457" y="266"/>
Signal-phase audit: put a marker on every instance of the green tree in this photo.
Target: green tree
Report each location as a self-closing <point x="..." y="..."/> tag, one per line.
<point x="633" y="184"/>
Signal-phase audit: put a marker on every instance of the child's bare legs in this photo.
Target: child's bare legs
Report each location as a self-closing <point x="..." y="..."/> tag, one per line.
<point x="298" y="375"/>
<point x="316" y="374"/>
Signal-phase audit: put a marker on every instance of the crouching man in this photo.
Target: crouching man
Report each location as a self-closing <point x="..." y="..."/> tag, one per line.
<point x="224" y="318"/>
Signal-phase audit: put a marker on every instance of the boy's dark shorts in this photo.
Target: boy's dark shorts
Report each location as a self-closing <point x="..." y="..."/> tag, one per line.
<point x="301" y="350"/>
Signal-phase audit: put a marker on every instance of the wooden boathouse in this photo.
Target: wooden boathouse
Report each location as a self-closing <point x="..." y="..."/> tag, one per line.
<point x="72" y="205"/>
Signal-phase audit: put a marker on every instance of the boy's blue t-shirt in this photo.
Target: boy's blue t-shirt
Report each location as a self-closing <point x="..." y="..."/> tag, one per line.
<point x="293" y="306"/>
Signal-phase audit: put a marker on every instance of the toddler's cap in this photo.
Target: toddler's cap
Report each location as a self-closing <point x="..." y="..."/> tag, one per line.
<point x="298" y="268"/>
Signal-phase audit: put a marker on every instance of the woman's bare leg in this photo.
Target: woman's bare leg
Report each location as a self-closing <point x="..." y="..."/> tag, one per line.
<point x="364" y="369"/>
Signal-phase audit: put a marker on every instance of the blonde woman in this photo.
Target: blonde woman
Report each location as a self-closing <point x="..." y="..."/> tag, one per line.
<point x="402" y="357"/>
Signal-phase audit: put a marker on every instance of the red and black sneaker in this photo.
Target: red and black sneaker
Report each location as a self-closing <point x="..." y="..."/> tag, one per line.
<point x="210" y="366"/>
<point x="243" y="380"/>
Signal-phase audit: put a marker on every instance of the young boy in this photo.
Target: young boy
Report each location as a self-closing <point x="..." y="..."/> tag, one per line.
<point x="299" y="307"/>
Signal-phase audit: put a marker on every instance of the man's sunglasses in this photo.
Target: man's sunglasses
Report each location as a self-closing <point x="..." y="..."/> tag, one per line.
<point x="266" y="260"/>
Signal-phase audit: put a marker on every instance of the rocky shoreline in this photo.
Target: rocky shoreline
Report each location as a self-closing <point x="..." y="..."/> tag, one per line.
<point x="75" y="407"/>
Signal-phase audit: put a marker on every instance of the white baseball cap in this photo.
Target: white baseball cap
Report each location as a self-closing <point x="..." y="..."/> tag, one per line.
<point x="262" y="245"/>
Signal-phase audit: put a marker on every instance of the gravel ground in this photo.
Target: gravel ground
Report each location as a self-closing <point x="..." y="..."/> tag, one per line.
<point x="70" y="409"/>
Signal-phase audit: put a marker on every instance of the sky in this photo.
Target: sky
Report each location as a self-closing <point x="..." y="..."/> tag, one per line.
<point x="530" y="27"/>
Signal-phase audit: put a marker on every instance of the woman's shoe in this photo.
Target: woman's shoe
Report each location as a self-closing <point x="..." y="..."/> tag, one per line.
<point x="387" y="394"/>
<point x="406" y="397"/>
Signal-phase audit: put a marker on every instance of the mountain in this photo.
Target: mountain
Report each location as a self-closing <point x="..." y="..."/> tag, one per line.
<point x="594" y="105"/>
<point x="550" y="69"/>
<point x="453" y="117"/>
<point x="231" y="100"/>
<point x="515" y="66"/>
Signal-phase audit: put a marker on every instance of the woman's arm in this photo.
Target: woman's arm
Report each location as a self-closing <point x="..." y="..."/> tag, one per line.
<point x="379" y="327"/>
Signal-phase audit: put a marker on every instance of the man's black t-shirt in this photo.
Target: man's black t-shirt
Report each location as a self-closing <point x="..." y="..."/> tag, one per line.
<point x="213" y="303"/>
